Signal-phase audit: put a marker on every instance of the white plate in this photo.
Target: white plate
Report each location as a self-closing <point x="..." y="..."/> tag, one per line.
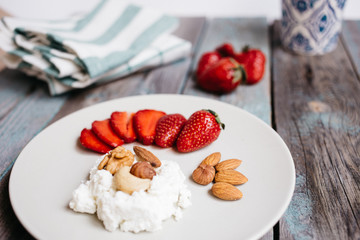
<point x="53" y="164"/>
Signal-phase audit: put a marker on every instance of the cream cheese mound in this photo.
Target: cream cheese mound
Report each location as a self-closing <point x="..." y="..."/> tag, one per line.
<point x="141" y="211"/>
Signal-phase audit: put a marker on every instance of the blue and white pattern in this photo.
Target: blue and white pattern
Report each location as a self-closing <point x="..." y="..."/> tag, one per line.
<point x="113" y="40"/>
<point x="311" y="27"/>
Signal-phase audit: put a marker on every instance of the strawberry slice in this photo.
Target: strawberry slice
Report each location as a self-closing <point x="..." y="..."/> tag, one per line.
<point x="102" y="130"/>
<point x="89" y="140"/>
<point x="168" y="129"/>
<point x="122" y="124"/>
<point x="145" y="124"/>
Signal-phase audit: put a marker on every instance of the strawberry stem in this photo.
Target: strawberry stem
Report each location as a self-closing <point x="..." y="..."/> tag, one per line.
<point x="243" y="73"/>
<point x="246" y="48"/>
<point x="240" y="73"/>
<point x="217" y="118"/>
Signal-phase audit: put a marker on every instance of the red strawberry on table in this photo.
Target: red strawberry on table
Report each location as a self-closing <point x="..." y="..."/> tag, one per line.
<point x="168" y="129"/>
<point x="202" y="128"/>
<point x="145" y="124"/>
<point x="253" y="61"/>
<point x="226" y="50"/>
<point x="122" y="124"/>
<point x="206" y="60"/>
<point x="221" y="77"/>
<point x="103" y="131"/>
<point x="89" y="140"/>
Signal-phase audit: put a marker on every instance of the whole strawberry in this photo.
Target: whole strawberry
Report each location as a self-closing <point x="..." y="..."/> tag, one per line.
<point x="202" y="128"/>
<point x="168" y="129"/>
<point x="221" y="77"/>
<point x="253" y="61"/>
<point x="226" y="50"/>
<point x="206" y="60"/>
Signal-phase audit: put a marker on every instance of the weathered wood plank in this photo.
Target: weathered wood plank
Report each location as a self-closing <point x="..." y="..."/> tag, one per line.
<point x="31" y="111"/>
<point x="13" y="88"/>
<point x="316" y="112"/>
<point x="351" y="39"/>
<point x="10" y="227"/>
<point x="239" y="32"/>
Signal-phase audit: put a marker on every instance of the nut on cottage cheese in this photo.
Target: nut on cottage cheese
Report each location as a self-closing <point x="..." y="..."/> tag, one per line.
<point x="140" y="211"/>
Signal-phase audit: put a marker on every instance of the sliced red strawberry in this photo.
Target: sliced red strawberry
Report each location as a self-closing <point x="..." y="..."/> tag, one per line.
<point x="168" y="129"/>
<point x="202" y="128"/>
<point x="89" y="140"/>
<point x="102" y="130"/>
<point x="122" y="124"/>
<point x="145" y="124"/>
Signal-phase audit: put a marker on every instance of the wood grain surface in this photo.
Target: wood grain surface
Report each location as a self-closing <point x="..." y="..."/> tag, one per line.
<point x="316" y="102"/>
<point x="351" y="39"/>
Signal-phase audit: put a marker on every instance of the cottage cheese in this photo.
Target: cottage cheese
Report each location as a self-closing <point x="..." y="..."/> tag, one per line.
<point x="141" y="211"/>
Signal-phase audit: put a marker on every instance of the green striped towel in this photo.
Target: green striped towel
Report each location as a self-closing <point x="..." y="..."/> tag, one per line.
<point x="112" y="41"/>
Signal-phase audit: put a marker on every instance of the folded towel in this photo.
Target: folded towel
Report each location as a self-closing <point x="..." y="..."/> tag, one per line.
<point x="113" y="40"/>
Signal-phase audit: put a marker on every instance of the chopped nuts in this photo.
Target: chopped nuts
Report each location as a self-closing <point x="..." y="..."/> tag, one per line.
<point x="143" y="170"/>
<point x="147" y="156"/>
<point x="115" y="159"/>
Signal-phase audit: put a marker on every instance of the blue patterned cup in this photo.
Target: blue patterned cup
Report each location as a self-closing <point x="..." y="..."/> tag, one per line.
<point x="311" y="27"/>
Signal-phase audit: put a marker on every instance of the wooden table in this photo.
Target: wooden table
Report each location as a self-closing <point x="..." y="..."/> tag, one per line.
<point x="312" y="102"/>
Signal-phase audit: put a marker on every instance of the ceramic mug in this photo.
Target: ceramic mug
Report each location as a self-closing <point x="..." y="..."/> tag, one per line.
<point x="311" y="27"/>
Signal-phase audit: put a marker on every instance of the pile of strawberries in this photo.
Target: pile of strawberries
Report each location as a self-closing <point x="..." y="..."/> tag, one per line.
<point x="149" y="126"/>
<point x="222" y="70"/>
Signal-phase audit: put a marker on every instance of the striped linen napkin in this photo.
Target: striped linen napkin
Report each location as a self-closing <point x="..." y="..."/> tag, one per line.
<point x="112" y="41"/>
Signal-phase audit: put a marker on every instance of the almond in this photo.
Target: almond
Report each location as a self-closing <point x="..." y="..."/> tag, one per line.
<point x="143" y="170"/>
<point x="228" y="164"/>
<point x="230" y="176"/>
<point x="212" y="159"/>
<point x="204" y="174"/>
<point x="226" y="191"/>
<point x="147" y="156"/>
